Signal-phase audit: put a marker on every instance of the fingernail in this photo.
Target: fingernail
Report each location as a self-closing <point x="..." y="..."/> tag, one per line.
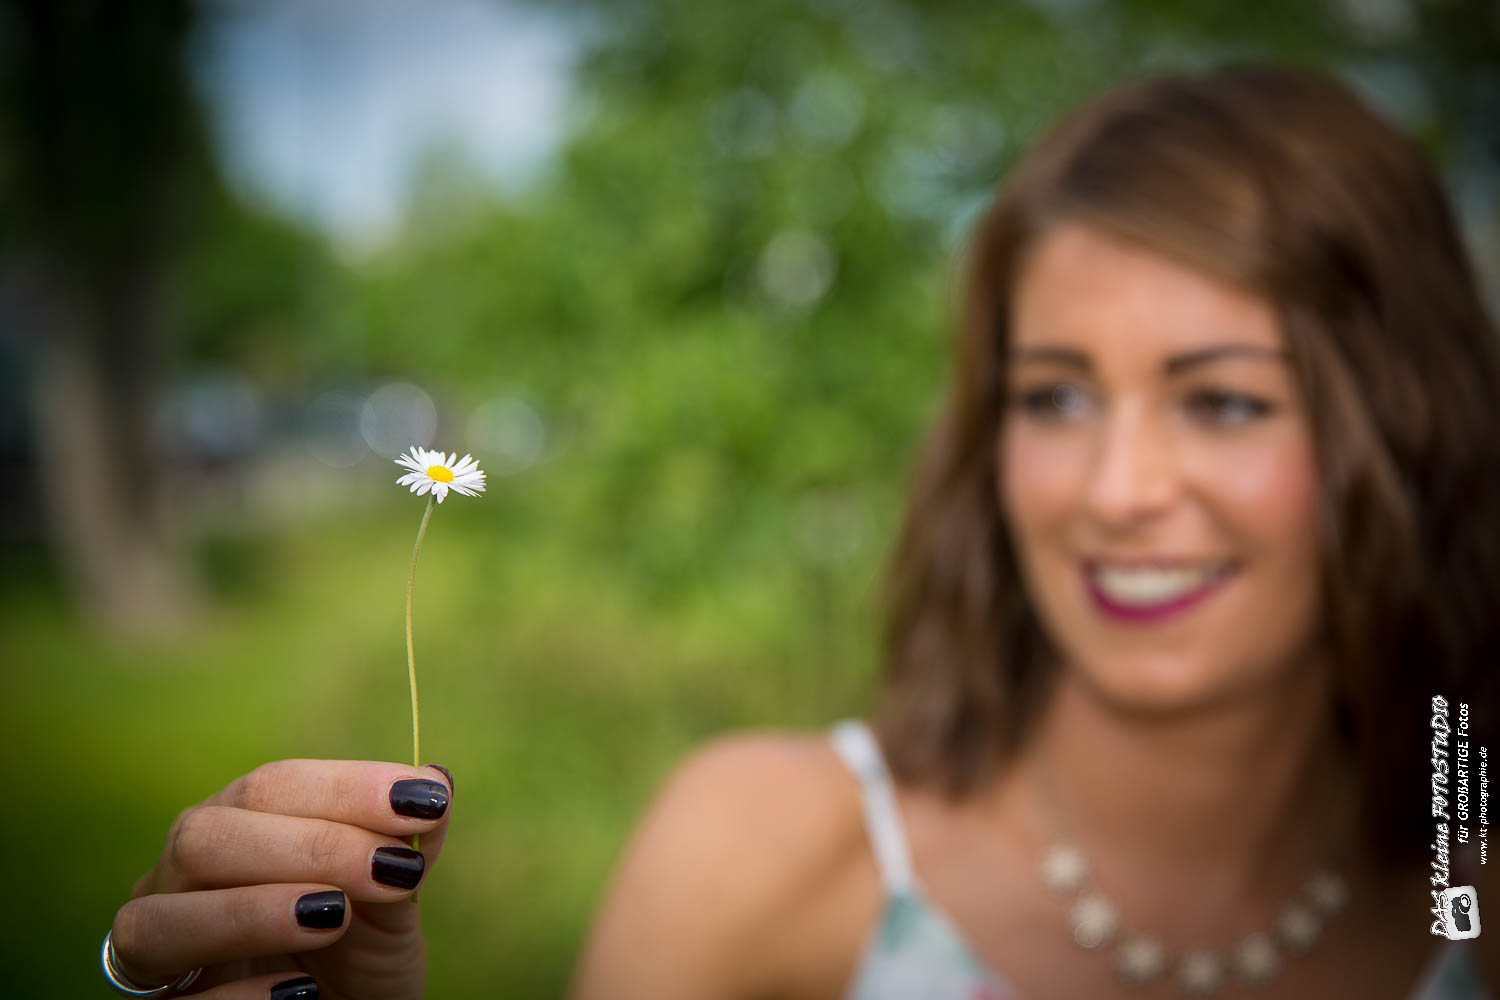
<point x="321" y="909"/>
<point x="301" y="988"/>
<point x="397" y="866"/>
<point x="446" y="773"/>
<point x="419" y="797"/>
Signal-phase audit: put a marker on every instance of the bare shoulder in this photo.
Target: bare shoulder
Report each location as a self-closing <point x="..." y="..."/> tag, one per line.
<point x="759" y="762"/>
<point x="770" y="803"/>
<point x="720" y="877"/>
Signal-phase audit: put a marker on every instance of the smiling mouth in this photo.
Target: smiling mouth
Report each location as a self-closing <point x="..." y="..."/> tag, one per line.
<point x="1151" y="592"/>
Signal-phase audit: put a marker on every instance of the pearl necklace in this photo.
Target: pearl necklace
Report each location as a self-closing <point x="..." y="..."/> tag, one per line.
<point x="1141" y="959"/>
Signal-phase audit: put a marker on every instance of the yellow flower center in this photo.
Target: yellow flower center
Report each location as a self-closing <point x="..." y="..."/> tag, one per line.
<point x="441" y="473"/>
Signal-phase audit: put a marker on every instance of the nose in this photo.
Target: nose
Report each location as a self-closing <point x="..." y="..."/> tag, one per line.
<point x="1134" y="473"/>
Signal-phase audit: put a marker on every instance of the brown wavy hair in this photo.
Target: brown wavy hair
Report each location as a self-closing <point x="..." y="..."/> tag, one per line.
<point x="1282" y="182"/>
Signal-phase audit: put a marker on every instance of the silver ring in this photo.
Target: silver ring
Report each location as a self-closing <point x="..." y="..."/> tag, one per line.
<point x="130" y="987"/>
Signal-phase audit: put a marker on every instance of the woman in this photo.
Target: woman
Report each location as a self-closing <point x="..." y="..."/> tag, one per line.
<point x="1203" y="538"/>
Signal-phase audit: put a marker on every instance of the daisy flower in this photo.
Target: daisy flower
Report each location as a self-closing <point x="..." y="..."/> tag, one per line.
<point x="432" y="471"/>
<point x="432" y="474"/>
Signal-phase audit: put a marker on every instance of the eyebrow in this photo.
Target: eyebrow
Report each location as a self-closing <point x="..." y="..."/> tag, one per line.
<point x="1173" y="365"/>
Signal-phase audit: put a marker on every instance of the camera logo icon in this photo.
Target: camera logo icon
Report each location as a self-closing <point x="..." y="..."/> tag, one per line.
<point x="1460" y="905"/>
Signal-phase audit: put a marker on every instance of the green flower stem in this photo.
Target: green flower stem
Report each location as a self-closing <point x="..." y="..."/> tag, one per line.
<point x="411" y="660"/>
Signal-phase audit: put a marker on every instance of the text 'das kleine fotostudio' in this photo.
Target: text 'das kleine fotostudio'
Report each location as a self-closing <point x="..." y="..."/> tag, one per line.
<point x="1459" y="808"/>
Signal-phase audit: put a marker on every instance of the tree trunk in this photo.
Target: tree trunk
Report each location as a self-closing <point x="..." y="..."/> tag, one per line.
<point x="102" y="483"/>
<point x="100" y="114"/>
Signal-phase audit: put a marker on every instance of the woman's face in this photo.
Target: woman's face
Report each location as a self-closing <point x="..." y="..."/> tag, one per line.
<point x="1157" y="474"/>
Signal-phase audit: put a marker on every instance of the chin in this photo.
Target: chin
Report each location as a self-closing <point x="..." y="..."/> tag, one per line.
<point x="1156" y="685"/>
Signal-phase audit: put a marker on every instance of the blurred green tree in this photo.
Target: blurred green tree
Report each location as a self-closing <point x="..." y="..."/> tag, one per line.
<point x="98" y="121"/>
<point x="133" y="259"/>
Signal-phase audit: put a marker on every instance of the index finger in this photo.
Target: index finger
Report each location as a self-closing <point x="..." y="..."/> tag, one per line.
<point x="393" y="799"/>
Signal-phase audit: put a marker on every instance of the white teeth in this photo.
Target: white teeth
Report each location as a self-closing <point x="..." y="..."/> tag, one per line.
<point x="1151" y="586"/>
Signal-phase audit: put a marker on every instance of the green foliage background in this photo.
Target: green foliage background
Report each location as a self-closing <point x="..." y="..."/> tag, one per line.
<point x="700" y="550"/>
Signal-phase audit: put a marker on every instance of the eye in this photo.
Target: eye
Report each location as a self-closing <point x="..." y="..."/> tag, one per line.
<point x="1222" y="407"/>
<point x="1049" y="402"/>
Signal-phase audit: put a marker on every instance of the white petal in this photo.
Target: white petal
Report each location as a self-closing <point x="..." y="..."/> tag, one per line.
<point x="440" y="490"/>
<point x="425" y="485"/>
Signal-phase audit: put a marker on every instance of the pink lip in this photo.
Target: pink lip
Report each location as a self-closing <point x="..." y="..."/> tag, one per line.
<point x="1154" y="612"/>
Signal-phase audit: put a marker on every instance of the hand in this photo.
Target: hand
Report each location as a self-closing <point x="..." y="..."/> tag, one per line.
<point x="326" y="839"/>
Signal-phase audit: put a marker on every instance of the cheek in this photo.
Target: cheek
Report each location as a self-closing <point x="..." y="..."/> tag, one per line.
<point x="1039" y="477"/>
<point x="1269" y="496"/>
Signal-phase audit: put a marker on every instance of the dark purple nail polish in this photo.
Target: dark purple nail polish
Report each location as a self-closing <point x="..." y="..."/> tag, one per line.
<point x="446" y="773"/>
<point x="321" y="910"/>
<point x="301" y="988"/>
<point x="400" y="867"/>
<point x="419" y="798"/>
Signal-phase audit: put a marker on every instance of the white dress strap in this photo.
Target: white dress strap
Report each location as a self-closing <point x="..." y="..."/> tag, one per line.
<point x="857" y="746"/>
